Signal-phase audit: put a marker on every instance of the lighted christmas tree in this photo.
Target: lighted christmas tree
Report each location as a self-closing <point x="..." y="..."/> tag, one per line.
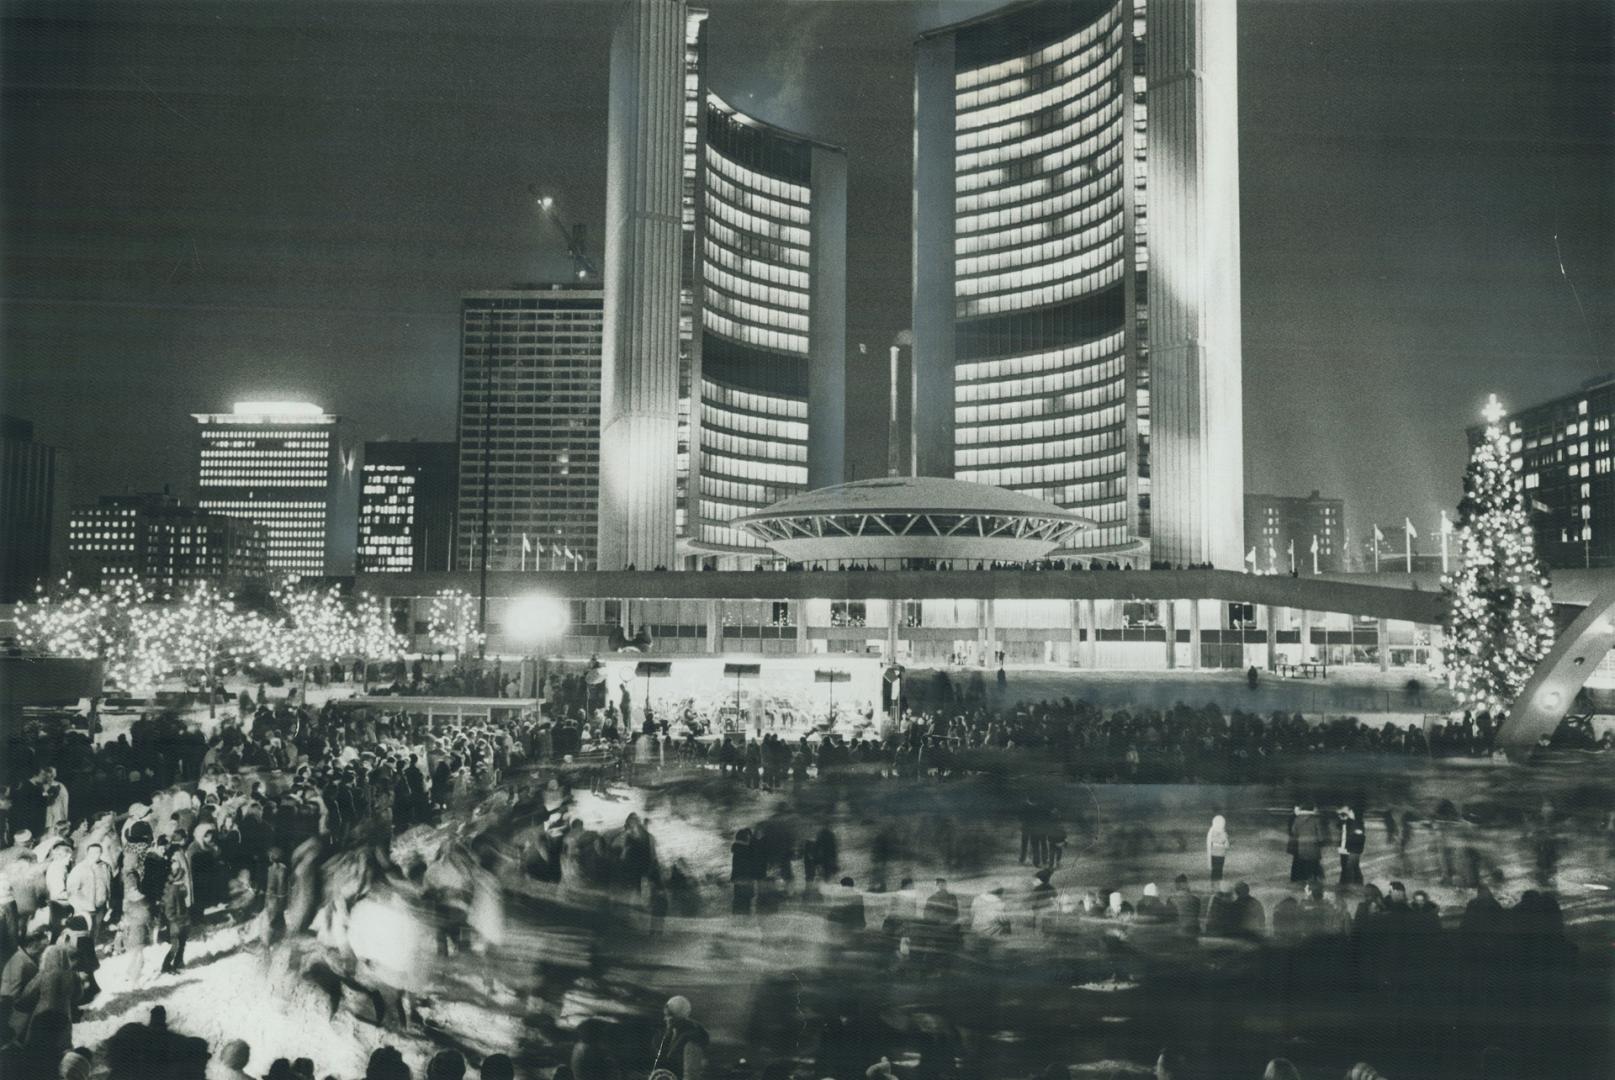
<point x="1499" y="616"/>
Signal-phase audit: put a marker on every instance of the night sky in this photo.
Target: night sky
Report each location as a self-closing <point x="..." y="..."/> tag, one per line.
<point x="211" y="201"/>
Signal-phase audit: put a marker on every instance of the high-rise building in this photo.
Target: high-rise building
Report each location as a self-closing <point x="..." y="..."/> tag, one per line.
<point x="1278" y="527"/>
<point x="1076" y="267"/>
<point x="407" y="506"/>
<point x="283" y="465"/>
<point x="725" y="281"/>
<point x="529" y="458"/>
<point x="33" y="511"/>
<point x="1561" y="449"/>
<point x="157" y="541"/>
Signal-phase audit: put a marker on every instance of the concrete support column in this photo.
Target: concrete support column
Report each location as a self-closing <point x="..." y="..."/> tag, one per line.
<point x="989" y="656"/>
<point x="1171" y="621"/>
<point x="1194" y="635"/>
<point x="1306" y="636"/>
<point x="1090" y="619"/>
<point x="1385" y="644"/>
<point x="893" y="608"/>
<point x="1076" y="634"/>
<point x="714" y="625"/>
<point x="798" y="611"/>
<point x="1272" y="637"/>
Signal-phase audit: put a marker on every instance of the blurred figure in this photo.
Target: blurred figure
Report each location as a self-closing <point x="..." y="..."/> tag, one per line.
<point x="1217" y="847"/>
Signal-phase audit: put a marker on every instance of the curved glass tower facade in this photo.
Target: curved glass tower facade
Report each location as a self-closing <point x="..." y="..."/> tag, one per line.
<point x="1032" y="301"/>
<point x="767" y="419"/>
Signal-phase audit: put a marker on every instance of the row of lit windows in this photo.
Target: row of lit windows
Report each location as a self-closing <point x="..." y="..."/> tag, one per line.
<point x="1018" y="161"/>
<point x="747" y="244"/>
<point x="714" y="419"/>
<point x="1016" y="143"/>
<point x="721" y="536"/>
<point x="1019" y="279"/>
<point x="756" y="269"/>
<point x="1020" y="236"/>
<point x="754" y="335"/>
<point x="1043" y="475"/>
<point x="1100" y="36"/>
<point x="1052" y="360"/>
<point x="768" y="185"/>
<point x="1067" y="401"/>
<point x="1012" y="136"/>
<point x="756" y="203"/>
<point x="716" y="441"/>
<point x="1098" y="74"/>
<point x="753" y="224"/>
<point x="1073" y="174"/>
<point x="971" y="452"/>
<point x="751" y="495"/>
<point x="767" y="294"/>
<point x="1052" y="294"/>
<point x="763" y="471"/>
<point x="226" y="439"/>
<point x="1107" y="376"/>
<point x="1049" y="54"/>
<point x="757" y="314"/>
<point x="1107" y="179"/>
<point x="716" y="508"/>
<point x="257" y="480"/>
<point x="1086" y="494"/>
<point x="751" y="401"/>
<point x="1023" y="432"/>
<point x="1040" y="254"/>
<point x="268" y="507"/>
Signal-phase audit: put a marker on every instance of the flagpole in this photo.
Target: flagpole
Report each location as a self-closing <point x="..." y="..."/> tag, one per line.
<point x="1407" y="542"/>
<point x="1445" y="529"/>
<point x="1314" y="554"/>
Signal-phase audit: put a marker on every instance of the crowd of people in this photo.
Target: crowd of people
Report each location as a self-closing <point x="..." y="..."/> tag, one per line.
<point x="111" y="846"/>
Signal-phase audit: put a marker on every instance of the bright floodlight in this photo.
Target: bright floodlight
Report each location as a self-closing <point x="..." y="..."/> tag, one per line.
<point x="276" y="408"/>
<point x="535" y="618"/>
<point x="546" y="202"/>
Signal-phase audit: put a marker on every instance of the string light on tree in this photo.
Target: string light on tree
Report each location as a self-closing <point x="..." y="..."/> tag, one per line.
<point x="1499" y="615"/>
<point x="452" y="621"/>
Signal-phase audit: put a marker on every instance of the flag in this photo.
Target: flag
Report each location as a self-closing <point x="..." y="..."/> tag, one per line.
<point x="1250" y="557"/>
<point x="539" y="544"/>
<point x="1446" y="524"/>
<point x="1413" y="534"/>
<point x="1314" y="543"/>
<point x="1379" y="537"/>
<point x="527" y="545"/>
<point x="568" y="553"/>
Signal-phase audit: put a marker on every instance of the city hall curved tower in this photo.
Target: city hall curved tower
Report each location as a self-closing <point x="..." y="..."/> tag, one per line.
<point x="1076" y="268"/>
<point x="769" y="385"/>
<point x="725" y="295"/>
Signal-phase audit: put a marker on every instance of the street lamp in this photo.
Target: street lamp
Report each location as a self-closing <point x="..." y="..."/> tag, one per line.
<point x="533" y="620"/>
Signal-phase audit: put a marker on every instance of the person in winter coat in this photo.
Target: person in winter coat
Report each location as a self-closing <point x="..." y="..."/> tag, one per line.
<point x="89" y="888"/>
<point x="142" y="873"/>
<point x="178" y="900"/>
<point x="53" y="989"/>
<point x="682" y="1050"/>
<point x="1308" y="834"/>
<point x="1353" y="838"/>
<point x="1217" y="847"/>
<point x="277" y="891"/>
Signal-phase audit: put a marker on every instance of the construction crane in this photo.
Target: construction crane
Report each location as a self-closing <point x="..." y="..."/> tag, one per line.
<point x="573" y="236"/>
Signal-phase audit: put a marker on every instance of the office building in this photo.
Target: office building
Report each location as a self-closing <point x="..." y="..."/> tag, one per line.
<point x="1561" y="449"/>
<point x="771" y="356"/>
<point x="33" y="511"/>
<point x="283" y="465"/>
<point x="156" y="541"/>
<point x="529" y="428"/>
<point x="1076" y="268"/>
<point x="1281" y="527"/>
<point x="407" y="506"/>
<point x="725" y="281"/>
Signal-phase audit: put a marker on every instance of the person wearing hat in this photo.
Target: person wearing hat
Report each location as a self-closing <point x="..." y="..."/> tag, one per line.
<point x="682" y="1051"/>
